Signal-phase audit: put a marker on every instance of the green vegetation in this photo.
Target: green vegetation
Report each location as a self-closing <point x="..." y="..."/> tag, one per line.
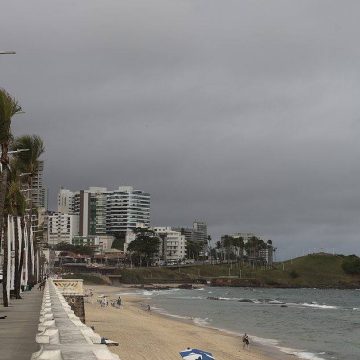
<point x="118" y="244"/>
<point x="318" y="270"/>
<point x="154" y="275"/>
<point x="144" y="247"/>
<point x="77" y="249"/>
<point x="351" y="264"/>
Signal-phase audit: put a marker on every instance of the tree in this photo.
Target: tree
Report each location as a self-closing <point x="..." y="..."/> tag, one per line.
<point x="193" y="249"/>
<point x="118" y="242"/>
<point x="228" y="242"/>
<point x="8" y="108"/>
<point x="146" y="244"/>
<point x="253" y="249"/>
<point x="17" y="207"/>
<point x="28" y="163"/>
<point x="351" y="264"/>
<point x="76" y="249"/>
<point x="238" y="243"/>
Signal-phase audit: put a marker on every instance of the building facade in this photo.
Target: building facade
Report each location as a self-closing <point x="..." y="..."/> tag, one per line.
<point x="65" y="201"/>
<point x="92" y="211"/>
<point x="199" y="233"/>
<point x="126" y="209"/>
<point x="39" y="193"/>
<point x="172" y="245"/>
<point x="62" y="228"/>
<point x="101" y="212"/>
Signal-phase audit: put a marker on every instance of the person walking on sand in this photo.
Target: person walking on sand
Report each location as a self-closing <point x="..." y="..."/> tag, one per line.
<point x="245" y="340"/>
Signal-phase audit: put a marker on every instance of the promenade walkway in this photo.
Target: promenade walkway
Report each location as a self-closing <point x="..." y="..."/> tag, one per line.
<point x="19" y="329"/>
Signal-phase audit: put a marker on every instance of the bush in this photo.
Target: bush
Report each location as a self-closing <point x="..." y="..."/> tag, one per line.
<point x="293" y="274"/>
<point x="351" y="264"/>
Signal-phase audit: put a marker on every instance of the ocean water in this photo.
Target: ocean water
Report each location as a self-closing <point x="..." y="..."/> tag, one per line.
<point x="307" y="323"/>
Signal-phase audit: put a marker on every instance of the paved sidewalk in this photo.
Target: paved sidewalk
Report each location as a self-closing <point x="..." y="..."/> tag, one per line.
<point x="18" y="330"/>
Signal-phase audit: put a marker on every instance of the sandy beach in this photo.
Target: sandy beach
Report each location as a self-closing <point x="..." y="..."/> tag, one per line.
<point x="151" y="336"/>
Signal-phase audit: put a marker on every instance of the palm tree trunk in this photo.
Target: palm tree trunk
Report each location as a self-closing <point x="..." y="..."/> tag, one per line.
<point x="3" y="187"/>
<point x="5" y="266"/>
<point x="29" y="227"/>
<point x="16" y="234"/>
<point x="19" y="269"/>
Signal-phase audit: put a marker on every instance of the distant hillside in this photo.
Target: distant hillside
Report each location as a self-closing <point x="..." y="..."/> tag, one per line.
<point x="317" y="270"/>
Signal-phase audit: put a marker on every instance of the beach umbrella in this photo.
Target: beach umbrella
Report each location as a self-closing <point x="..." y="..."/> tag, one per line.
<point x="196" y="354"/>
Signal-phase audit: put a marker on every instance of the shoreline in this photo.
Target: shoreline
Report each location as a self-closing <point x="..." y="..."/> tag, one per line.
<point x="160" y="336"/>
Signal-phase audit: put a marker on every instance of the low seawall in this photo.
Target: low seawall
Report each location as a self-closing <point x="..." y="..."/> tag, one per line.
<point x="62" y="335"/>
<point x="73" y="292"/>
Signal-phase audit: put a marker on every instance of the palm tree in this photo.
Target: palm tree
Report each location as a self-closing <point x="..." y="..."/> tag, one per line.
<point x="238" y="243"/>
<point x="28" y="163"/>
<point x="228" y="243"/>
<point x="8" y="108"/>
<point x="17" y="204"/>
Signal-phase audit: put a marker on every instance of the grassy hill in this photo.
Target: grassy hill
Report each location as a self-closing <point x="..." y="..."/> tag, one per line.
<point x="318" y="270"/>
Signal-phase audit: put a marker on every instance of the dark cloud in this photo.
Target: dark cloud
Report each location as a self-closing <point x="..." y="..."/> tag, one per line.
<point x="241" y="113"/>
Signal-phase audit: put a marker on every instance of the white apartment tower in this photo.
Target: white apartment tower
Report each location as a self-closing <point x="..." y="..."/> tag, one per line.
<point x="39" y="193"/>
<point x="126" y="209"/>
<point x="172" y="245"/>
<point x="62" y="228"/>
<point x="66" y="201"/>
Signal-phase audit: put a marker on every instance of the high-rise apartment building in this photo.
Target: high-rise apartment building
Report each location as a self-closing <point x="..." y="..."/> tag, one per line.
<point x="103" y="212"/>
<point x="92" y="204"/>
<point x="126" y="209"/>
<point x="66" y="201"/>
<point x="197" y="233"/>
<point x="39" y="193"/>
<point x="200" y="232"/>
<point x="62" y="228"/>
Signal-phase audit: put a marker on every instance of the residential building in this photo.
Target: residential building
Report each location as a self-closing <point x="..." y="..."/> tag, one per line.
<point x="102" y="212"/>
<point x="199" y="233"/>
<point x="62" y="228"/>
<point x="66" y="200"/>
<point x="100" y="242"/>
<point x="92" y="211"/>
<point x="187" y="232"/>
<point x="126" y="209"/>
<point x="173" y="244"/>
<point x="39" y="193"/>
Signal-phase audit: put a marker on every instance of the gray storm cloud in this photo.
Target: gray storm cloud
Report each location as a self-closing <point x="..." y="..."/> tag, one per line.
<point x="241" y="113"/>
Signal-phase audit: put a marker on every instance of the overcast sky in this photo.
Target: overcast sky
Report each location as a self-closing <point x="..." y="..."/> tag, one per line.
<point x="244" y="114"/>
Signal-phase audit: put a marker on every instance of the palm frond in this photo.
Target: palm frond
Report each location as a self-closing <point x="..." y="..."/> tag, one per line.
<point x="8" y="108"/>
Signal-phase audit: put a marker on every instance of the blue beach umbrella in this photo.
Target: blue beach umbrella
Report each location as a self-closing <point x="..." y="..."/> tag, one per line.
<point x="196" y="354"/>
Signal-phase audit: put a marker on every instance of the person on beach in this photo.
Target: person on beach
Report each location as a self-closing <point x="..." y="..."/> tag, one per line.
<point x="119" y="301"/>
<point x="245" y="340"/>
<point x="148" y="308"/>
